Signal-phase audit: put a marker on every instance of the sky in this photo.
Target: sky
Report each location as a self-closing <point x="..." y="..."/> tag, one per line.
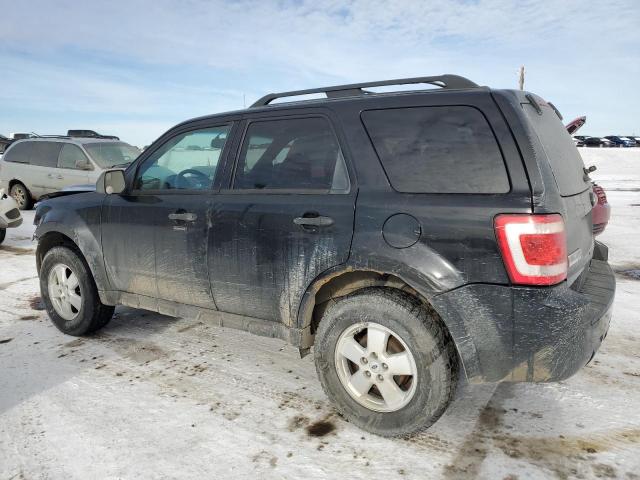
<point x="135" y="68"/>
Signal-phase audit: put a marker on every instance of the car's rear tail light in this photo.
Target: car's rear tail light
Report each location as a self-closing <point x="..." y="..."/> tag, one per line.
<point x="533" y="247"/>
<point x="599" y="191"/>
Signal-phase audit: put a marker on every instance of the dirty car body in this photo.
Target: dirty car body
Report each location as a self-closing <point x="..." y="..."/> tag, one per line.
<point x="272" y="258"/>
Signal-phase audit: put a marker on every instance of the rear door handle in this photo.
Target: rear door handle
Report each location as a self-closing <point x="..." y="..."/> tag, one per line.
<point x="60" y="177"/>
<point x="185" y="217"/>
<point x="313" y="221"/>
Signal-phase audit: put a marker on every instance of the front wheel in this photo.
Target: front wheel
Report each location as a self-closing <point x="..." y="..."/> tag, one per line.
<point x="70" y="295"/>
<point x="3" y="233"/>
<point x="385" y="361"/>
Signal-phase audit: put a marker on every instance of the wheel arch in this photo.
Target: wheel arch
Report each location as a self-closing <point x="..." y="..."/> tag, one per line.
<point x="330" y="286"/>
<point x="55" y="239"/>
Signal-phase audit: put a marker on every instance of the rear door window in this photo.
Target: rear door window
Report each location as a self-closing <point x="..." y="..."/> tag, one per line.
<point x="443" y="149"/>
<point x="19" y="153"/>
<point x="45" y="154"/>
<point x="291" y="154"/>
<point x="564" y="158"/>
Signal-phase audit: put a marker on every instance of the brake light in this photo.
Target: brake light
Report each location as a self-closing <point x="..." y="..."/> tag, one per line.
<point x="599" y="191"/>
<point x="533" y="247"/>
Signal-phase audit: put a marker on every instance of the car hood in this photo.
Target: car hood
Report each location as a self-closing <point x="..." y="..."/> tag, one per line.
<point x="70" y="190"/>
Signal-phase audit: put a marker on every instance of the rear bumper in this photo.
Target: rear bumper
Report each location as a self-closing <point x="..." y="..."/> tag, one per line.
<point x="527" y="334"/>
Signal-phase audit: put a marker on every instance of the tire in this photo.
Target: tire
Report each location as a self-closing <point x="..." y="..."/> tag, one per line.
<point x="429" y="392"/>
<point x="21" y="195"/>
<point x="3" y="233"/>
<point x="86" y="313"/>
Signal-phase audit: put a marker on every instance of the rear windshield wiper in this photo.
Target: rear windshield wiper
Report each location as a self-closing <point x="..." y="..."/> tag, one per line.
<point x="533" y="103"/>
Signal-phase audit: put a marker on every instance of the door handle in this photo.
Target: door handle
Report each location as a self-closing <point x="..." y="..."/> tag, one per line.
<point x="185" y="217"/>
<point x="49" y="175"/>
<point x="313" y="221"/>
<point x="60" y="177"/>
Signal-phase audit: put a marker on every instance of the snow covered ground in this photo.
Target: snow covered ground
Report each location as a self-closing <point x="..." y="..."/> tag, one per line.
<point x="158" y="397"/>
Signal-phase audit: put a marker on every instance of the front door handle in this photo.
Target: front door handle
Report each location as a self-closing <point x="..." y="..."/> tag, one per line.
<point x="60" y="177"/>
<point x="313" y="221"/>
<point x="184" y="217"/>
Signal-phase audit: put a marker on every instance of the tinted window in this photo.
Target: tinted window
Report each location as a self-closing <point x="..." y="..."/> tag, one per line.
<point x="18" y="153"/>
<point x="564" y="158"/>
<point x="295" y="154"/>
<point x="45" y="154"/>
<point x="437" y="150"/>
<point x="188" y="161"/>
<point x="72" y="157"/>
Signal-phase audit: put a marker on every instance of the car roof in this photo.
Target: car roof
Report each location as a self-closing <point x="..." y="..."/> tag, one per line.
<point x="64" y="139"/>
<point x="319" y="102"/>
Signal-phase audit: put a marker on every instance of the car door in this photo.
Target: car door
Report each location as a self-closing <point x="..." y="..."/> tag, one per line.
<point x="286" y="217"/>
<point x="73" y="167"/>
<point x="155" y="235"/>
<point x="45" y="175"/>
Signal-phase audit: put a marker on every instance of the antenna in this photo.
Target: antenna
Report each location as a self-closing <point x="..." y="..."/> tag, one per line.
<point x="521" y="79"/>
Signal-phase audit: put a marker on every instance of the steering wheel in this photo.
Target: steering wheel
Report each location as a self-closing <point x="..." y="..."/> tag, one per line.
<point x="200" y="182"/>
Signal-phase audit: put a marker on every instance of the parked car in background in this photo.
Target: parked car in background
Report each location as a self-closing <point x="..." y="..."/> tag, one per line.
<point x="576" y="124"/>
<point x="37" y="166"/>
<point x="10" y="216"/>
<point x="4" y="143"/>
<point x="635" y="138"/>
<point x="621" y="141"/>
<point x="321" y="222"/>
<point x="596" y="142"/>
<point x="601" y="211"/>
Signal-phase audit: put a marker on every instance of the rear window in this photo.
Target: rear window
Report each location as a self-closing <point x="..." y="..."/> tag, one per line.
<point x="18" y="153"/>
<point x="564" y="158"/>
<point x="449" y="149"/>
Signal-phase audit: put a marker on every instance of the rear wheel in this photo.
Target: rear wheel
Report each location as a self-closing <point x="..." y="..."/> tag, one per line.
<point x="385" y="361"/>
<point x="70" y="295"/>
<point x="21" y="195"/>
<point x="3" y="233"/>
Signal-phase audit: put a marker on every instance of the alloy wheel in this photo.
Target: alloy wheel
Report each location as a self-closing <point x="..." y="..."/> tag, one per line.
<point x="376" y="367"/>
<point x="64" y="291"/>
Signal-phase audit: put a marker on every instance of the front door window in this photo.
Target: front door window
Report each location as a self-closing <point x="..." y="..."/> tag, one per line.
<point x="188" y="161"/>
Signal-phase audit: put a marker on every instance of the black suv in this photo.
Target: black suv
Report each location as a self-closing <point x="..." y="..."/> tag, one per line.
<point x="409" y="237"/>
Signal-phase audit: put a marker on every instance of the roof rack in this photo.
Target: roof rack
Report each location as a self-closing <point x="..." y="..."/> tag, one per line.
<point x="355" y="89"/>
<point x="89" y="134"/>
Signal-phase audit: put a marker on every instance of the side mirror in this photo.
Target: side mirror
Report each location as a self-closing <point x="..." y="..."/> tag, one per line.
<point x="219" y="141"/>
<point x="83" y="165"/>
<point x="111" y="181"/>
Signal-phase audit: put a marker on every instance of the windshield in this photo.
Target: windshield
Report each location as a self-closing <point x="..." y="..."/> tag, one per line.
<point x="110" y="154"/>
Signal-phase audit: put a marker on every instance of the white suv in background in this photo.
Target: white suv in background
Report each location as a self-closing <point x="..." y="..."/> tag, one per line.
<point x="34" y="167"/>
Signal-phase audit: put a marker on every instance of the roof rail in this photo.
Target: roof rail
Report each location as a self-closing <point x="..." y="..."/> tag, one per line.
<point x="89" y="134"/>
<point x="355" y="89"/>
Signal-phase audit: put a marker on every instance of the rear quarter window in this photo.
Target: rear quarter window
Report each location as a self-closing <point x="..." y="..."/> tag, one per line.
<point x="18" y="153"/>
<point x="444" y="149"/>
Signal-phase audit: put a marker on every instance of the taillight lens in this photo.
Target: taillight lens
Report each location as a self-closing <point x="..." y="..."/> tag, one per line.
<point x="533" y="247"/>
<point x="599" y="191"/>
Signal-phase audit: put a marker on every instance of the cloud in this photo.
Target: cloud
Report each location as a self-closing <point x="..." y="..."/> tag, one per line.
<point x="168" y="58"/>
